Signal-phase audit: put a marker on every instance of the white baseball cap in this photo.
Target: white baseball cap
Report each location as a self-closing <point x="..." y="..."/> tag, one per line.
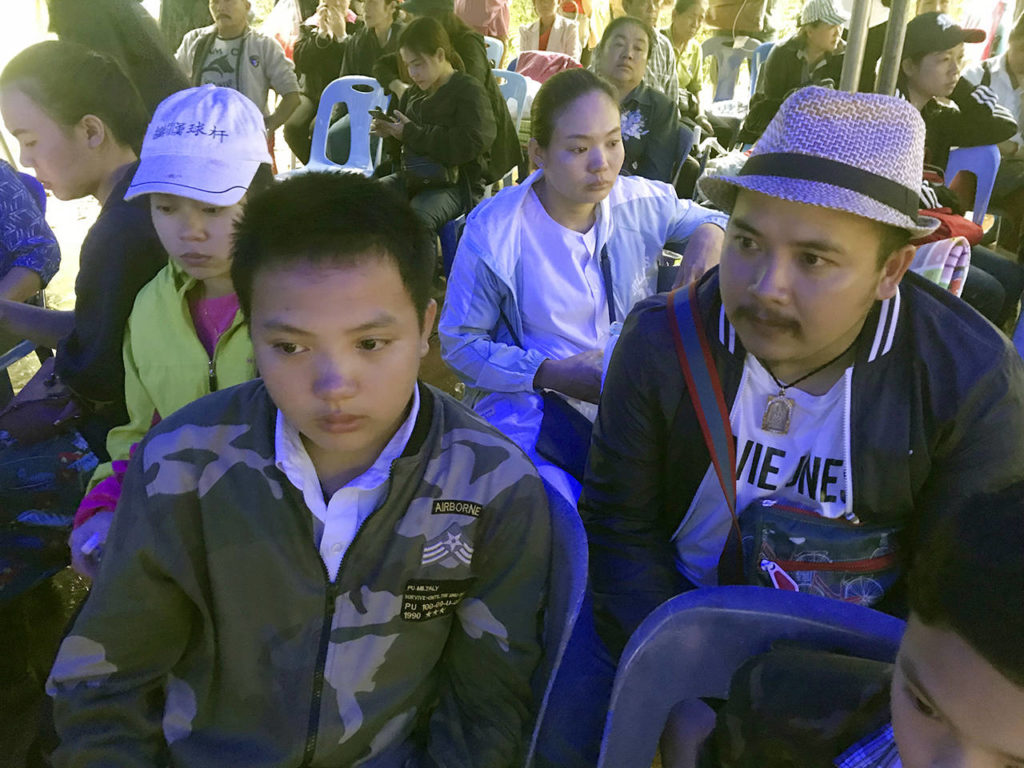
<point x="203" y="143"/>
<point x="825" y="11"/>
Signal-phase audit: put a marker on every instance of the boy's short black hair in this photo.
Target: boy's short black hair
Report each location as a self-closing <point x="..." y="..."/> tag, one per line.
<point x="326" y="219"/>
<point x="969" y="577"/>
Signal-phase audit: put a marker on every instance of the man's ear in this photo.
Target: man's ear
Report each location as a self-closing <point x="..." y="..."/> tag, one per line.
<point x="94" y="130"/>
<point x="895" y="268"/>
<point x="429" y="316"/>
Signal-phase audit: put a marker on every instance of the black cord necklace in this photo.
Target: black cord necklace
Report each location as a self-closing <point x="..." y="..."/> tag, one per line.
<point x="778" y="411"/>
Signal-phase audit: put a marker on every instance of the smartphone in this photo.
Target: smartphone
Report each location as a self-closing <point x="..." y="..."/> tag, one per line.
<point x="378" y="114"/>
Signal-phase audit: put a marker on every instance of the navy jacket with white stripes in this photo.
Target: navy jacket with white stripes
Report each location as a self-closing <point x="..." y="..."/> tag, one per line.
<point x="937" y="410"/>
<point x="975" y="118"/>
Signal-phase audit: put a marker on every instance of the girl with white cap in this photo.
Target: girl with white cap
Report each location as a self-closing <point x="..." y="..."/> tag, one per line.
<point x="204" y="151"/>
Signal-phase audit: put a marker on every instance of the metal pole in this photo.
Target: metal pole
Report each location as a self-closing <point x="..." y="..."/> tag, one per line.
<point x="854" y="57"/>
<point x="889" y="65"/>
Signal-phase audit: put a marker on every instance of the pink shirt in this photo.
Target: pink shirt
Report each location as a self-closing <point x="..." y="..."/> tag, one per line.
<point x="211" y="317"/>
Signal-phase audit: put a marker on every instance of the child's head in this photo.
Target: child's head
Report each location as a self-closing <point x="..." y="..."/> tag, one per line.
<point x="334" y="274"/>
<point x="958" y="687"/>
<point x="204" y="148"/>
<point x="75" y="114"/>
<point x="577" y="138"/>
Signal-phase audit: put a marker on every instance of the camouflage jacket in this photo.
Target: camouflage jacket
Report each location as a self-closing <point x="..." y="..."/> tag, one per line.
<point x="213" y="637"/>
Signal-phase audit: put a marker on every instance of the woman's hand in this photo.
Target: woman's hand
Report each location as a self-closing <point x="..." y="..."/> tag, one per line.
<point x="87" y="542"/>
<point x="330" y="18"/>
<point x="578" y="376"/>
<point x="394" y="129"/>
<point x="703" y="251"/>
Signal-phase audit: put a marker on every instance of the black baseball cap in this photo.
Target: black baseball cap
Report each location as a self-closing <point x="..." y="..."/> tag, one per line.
<point x="931" y="32"/>
<point x="428" y="7"/>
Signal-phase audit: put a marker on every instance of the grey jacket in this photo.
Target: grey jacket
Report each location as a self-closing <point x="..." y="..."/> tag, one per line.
<point x="213" y="636"/>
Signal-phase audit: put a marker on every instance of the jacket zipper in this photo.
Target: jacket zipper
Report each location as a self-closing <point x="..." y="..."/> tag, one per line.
<point x="853" y="566"/>
<point x="213" y="375"/>
<point x="325" y="637"/>
<point x="318" y="672"/>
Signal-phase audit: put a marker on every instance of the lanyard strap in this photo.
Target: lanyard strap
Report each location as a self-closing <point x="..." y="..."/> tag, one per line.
<point x="705" y="391"/>
<point x="606" y="275"/>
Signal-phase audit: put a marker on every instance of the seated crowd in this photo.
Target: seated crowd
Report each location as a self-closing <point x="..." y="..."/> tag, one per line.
<point x="302" y="553"/>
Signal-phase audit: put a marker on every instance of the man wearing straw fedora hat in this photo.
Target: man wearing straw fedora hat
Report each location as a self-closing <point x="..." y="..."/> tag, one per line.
<point x="851" y="393"/>
<point x="854" y="391"/>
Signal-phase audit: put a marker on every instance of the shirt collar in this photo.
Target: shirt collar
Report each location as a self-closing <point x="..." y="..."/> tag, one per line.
<point x="876" y="750"/>
<point x="292" y="458"/>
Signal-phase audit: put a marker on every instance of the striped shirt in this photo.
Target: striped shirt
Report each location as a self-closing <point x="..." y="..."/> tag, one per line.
<point x="877" y="750"/>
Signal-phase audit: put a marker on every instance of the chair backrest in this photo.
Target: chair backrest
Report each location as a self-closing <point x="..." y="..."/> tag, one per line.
<point x="691" y="645"/>
<point x="512" y="64"/>
<point x="513" y="89"/>
<point x="760" y="54"/>
<point x="688" y="135"/>
<point x="360" y="94"/>
<point x="983" y="162"/>
<point x="567" y="585"/>
<point x="495" y="50"/>
<point x="728" y="59"/>
<point x="35" y="187"/>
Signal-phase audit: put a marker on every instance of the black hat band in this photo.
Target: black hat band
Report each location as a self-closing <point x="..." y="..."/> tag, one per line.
<point x="793" y="165"/>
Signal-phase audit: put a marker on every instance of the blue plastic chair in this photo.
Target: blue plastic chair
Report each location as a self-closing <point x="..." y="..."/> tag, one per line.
<point x="450" y="235"/>
<point x="691" y="646"/>
<point x="568" y="584"/>
<point x="687" y="137"/>
<point x="360" y="94"/>
<point x="495" y="50"/>
<point x="512" y="64"/>
<point x="759" y="57"/>
<point x="513" y="88"/>
<point x="729" y="60"/>
<point x="983" y="162"/>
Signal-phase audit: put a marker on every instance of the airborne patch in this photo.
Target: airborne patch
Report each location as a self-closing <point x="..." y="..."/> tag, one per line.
<point x="426" y="599"/>
<point x="448" y="550"/>
<point x="456" y="507"/>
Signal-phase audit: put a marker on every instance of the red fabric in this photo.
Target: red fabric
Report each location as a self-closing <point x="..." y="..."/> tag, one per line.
<point x="488" y="17"/>
<point x="951" y="225"/>
<point x="542" y="41"/>
<point x="540" y="65"/>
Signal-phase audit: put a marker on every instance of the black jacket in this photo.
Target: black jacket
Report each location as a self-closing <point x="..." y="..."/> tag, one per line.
<point x="320" y="60"/>
<point x="453" y="126"/>
<point x="977" y="119"/>
<point x="937" y="413"/>
<point x="800" y="707"/>
<point x="124" y="30"/>
<point x="120" y="254"/>
<point x="653" y="154"/>
<point x="781" y="73"/>
<point x="505" y="153"/>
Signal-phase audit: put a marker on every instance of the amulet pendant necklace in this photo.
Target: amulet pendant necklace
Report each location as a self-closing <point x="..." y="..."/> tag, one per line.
<point x="778" y="410"/>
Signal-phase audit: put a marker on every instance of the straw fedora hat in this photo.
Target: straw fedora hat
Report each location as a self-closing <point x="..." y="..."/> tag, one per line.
<point x="857" y="152"/>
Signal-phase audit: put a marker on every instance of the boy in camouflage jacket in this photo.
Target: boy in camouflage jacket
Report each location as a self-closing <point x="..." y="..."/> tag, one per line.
<point x="216" y="633"/>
